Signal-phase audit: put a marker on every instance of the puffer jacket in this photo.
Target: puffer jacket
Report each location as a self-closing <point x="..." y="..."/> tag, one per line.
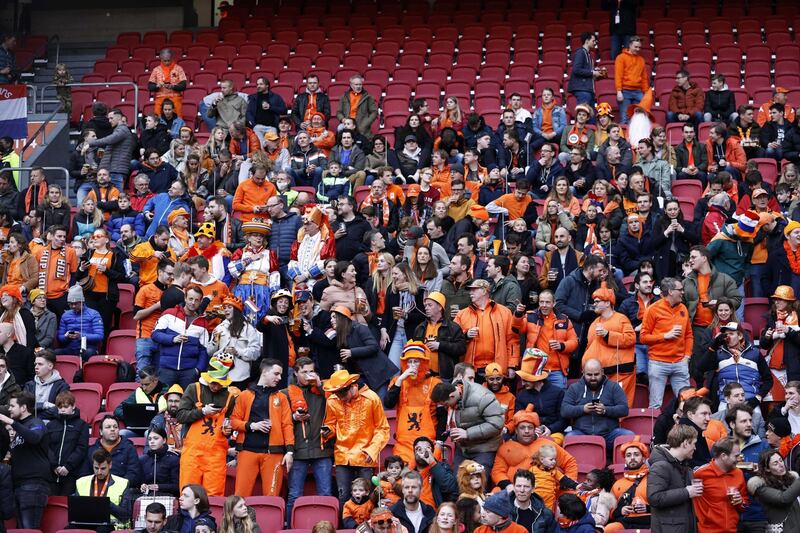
<point x="161" y="467"/>
<point x="750" y="370"/>
<point x="284" y="233"/>
<point x="672" y="510"/>
<point x="730" y="254"/>
<point x="88" y="323"/>
<point x="481" y="415"/>
<point x="119" y="149"/>
<point x="192" y="353"/>
<point x="68" y="438"/>
<point x="46" y="392"/>
<point x="721" y="104"/>
<point x="301" y="159"/>
<point x="120" y="218"/>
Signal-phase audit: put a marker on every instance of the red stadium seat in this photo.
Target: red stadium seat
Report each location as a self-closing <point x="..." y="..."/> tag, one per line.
<point x="216" y="507"/>
<point x="687" y="188"/>
<point x="768" y="168"/>
<point x="270" y="511"/>
<point x="588" y="450"/>
<point x="100" y="371"/>
<point x="88" y="397"/>
<point x="129" y="39"/>
<point x="308" y="510"/>
<point x="156" y="39"/>
<point x="640" y="421"/>
<point x="687" y="206"/>
<point x="67" y="365"/>
<point x="117" y="393"/>
<point x="755" y="312"/>
<point x="55" y="514"/>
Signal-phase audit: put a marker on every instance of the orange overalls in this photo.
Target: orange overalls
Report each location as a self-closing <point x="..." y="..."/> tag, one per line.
<point x="416" y="414"/>
<point x="205" y="448"/>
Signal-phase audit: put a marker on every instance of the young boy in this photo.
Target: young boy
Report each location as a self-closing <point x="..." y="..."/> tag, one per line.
<point x="550" y="480"/>
<point x="357" y="509"/>
<point x="572" y="515"/>
<point x="783" y="193"/>
<point x="333" y="184"/>
<point x="393" y="469"/>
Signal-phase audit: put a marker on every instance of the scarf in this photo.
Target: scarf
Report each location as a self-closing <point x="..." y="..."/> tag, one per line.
<point x="183" y="236"/>
<point x="633" y="475"/>
<point x="794" y="260"/>
<point x="19" y="326"/>
<point x="786" y="445"/>
<point x="578" y="136"/>
<point x="776" y="359"/>
<point x="44" y="262"/>
<point x="382" y="204"/>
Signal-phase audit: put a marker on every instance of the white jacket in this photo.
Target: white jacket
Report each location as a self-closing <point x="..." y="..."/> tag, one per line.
<point x="247" y="344"/>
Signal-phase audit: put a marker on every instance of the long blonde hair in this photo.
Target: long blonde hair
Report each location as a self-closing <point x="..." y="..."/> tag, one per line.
<point x="411" y="278"/>
<point x="435" y="525"/>
<point x="97" y="216"/>
<point x="229" y="521"/>
<point x="380" y="282"/>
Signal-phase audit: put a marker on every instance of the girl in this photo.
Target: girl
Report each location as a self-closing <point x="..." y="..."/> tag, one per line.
<point x="100" y="272"/>
<point x="723" y="313"/>
<point x="471" y="478"/>
<point x="600" y="501"/>
<point x="216" y="142"/>
<point x="20" y="265"/>
<point x="520" y="227"/>
<point x="88" y="219"/>
<point x="176" y="156"/>
<point x="562" y="194"/>
<point x="61" y="79"/>
<point x="377" y="288"/>
<point x="469" y="513"/>
<point x="197" y="180"/>
<point x="525" y="274"/>
<point x="777" y="490"/>
<point x="780" y="340"/>
<point x="17" y="315"/>
<point x="238" y="517"/>
<point x="160" y="466"/>
<point x="672" y="238"/>
<point x="277" y="340"/>
<point x="446" y="519"/>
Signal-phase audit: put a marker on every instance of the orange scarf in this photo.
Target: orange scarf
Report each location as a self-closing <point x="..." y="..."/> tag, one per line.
<point x="789" y="319"/>
<point x="794" y="260"/>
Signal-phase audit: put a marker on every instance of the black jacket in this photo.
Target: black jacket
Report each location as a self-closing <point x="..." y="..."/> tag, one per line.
<point x="452" y="343"/>
<point x="721" y="104"/>
<point x="8" y="388"/>
<point x="29" y="453"/>
<point x="7" y="508"/>
<point x="702" y="454"/>
<point x="700" y="156"/>
<point x="428" y="515"/>
<point x="352" y="243"/>
<point x="58" y="386"/>
<point x="125" y="462"/>
<point x="157" y="138"/>
<point x="769" y="132"/>
<point x="161" y="467"/>
<point x="116" y="274"/>
<point x="415" y="316"/>
<point x="301" y="103"/>
<point x="20" y="362"/>
<point x="68" y="437"/>
<point x="661" y="245"/>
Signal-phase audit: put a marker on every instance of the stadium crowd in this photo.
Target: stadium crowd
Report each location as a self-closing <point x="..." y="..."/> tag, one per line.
<point x="500" y="293"/>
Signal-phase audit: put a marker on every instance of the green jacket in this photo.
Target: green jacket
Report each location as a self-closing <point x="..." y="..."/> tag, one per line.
<point x="720" y="285"/>
<point x="730" y="254"/>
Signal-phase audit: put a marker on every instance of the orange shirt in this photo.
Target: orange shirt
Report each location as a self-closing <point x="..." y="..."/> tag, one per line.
<point x="395" y="193"/>
<point x="147" y="295"/>
<point x="249" y="195"/>
<point x="55" y="269"/>
<point x="355" y="99"/>
<point x="516" y="207"/>
<point x="547" y="118"/>
<point x="100" y="278"/>
<point x="216" y="290"/>
<point x="659" y="318"/>
<point x="703" y="315"/>
<point x="143" y="255"/>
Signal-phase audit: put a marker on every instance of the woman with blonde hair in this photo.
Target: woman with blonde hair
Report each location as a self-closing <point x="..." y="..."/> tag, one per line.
<point x="238" y="517"/>
<point x="446" y="519"/>
<point x="381" y="279"/>
<point x="562" y="194"/>
<point x="215" y="143"/>
<point x="451" y="116"/>
<point x="403" y="312"/>
<point x="88" y="219"/>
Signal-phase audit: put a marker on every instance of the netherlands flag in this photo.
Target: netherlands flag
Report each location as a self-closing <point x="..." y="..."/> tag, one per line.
<point x="13" y="111"/>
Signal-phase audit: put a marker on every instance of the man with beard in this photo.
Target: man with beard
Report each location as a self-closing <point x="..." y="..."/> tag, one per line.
<point x="634" y="307"/>
<point x="595" y="404"/>
<point x="561" y="262"/>
<point x="350" y="229"/>
<point x="632" y="510"/>
<point x="574" y="295"/>
<point x="168" y="420"/>
<point x="444" y="341"/>
<point x="455" y="287"/>
<point x="515" y="454"/>
<point x="438" y="481"/>
<point x="739" y="418"/>
<point x="724" y="495"/>
<point x="494" y="382"/>
<point x="415" y="515"/>
<point x="528" y="509"/>
<point x="228" y="228"/>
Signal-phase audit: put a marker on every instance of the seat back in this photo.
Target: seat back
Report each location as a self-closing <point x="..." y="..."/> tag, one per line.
<point x="588" y="450"/>
<point x="88" y="397"/>
<point x="308" y="510"/>
<point x="270" y="512"/>
<point x="100" y="371"/>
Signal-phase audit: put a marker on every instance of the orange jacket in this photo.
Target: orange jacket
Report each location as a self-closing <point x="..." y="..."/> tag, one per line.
<point x="513" y="527"/>
<point x="281" y="434"/>
<point x="657" y="321"/>
<point x="507" y="401"/>
<point x="253" y="144"/>
<point x="142" y="254"/>
<point x="249" y="195"/>
<point x="714" y="511"/>
<point x="547" y="485"/>
<point x="532" y="324"/>
<point x="359" y="427"/>
<point x="496" y="342"/>
<point x="622" y="485"/>
<point x="441" y="180"/>
<point x="734" y="153"/>
<point x="511" y="456"/>
<point x="615" y="352"/>
<point x="516" y="208"/>
<point x="630" y="72"/>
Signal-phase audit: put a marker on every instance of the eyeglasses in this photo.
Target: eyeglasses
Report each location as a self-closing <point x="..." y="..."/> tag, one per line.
<point x="598" y="301"/>
<point x="383" y="522"/>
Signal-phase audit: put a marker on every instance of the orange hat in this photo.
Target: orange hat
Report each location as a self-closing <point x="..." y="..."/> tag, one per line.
<point x="644" y="105"/>
<point x="532" y="366"/>
<point x="479" y="212"/>
<point x="234" y="302"/>
<point x="782" y="90"/>
<point x="13" y="291"/>
<point x="339" y="380"/>
<point x="493" y="369"/>
<point x="180" y="212"/>
<point x="437" y="297"/>
<point x="413" y="191"/>
<point x="525" y="415"/>
<point x="635" y="443"/>
<point x="315" y="215"/>
<point x="604" y="108"/>
<point x="784" y="292"/>
<point x="605" y="294"/>
<point x="342" y="310"/>
<point x="693" y="393"/>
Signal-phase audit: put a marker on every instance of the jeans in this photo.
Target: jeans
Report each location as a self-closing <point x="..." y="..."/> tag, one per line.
<point x="609" y="437"/>
<point x="628" y="98"/>
<point x="759" y="280"/>
<point x="345" y="476"/>
<point x="658" y="373"/>
<point x="558" y="379"/>
<point x="83" y="191"/>
<point x="147" y="353"/>
<point x="31" y="499"/>
<point x="774" y="153"/>
<point x="740" y="310"/>
<point x="398" y="343"/>
<point x="118" y="180"/>
<point x="584" y="97"/>
<point x="184" y="378"/>
<point x="641" y="358"/>
<point x="483" y="458"/>
<point x="210" y="121"/>
<point x="323" y="475"/>
<point x="618" y="42"/>
<point x="304" y="180"/>
<point x="694" y="118"/>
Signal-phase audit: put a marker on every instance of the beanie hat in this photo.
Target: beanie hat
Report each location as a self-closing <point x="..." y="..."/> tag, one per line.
<point x="13" y="291"/>
<point x="499" y="503"/>
<point x="35" y="293"/>
<point x="635" y="443"/>
<point x="605" y="294"/>
<point x="75" y="294"/>
<point x="414" y="350"/>
<point x="790" y="227"/>
<point x="525" y="415"/>
<point x="780" y="426"/>
<point x="746" y="224"/>
<point x="437" y="297"/>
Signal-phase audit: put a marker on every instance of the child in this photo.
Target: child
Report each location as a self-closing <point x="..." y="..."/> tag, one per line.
<point x="394" y="467"/>
<point x="284" y="185"/>
<point x="520" y="227"/>
<point x="357" y="509"/>
<point x="783" y="193"/>
<point x="550" y="480"/>
<point x="125" y="214"/>
<point x="484" y="236"/>
<point x="333" y="184"/>
<point x="472" y="481"/>
<point x="572" y="515"/>
<point x="61" y="79"/>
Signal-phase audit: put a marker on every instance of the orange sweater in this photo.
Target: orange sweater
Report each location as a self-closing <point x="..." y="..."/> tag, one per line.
<point x="714" y="511"/>
<point x="359" y="512"/>
<point x="630" y="72"/>
<point x="615" y="352"/>
<point x="507" y="401"/>
<point x="248" y="195"/>
<point x="657" y="321"/>
<point x="516" y="208"/>
<point x="538" y="334"/>
<point x="511" y="456"/>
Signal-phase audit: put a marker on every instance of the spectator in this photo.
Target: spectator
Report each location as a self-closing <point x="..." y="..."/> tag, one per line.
<point x="549" y="121"/>
<point x="776" y="488"/>
<point x="584" y="72"/>
<point x="167" y="419"/>
<point x="775" y="133"/>
<point x="691" y="157"/>
<point x="253" y="194"/>
<point x="194" y="510"/>
<point x="168" y="81"/>
<point x="105" y="266"/>
<point x="746" y="131"/>
<point x="543" y="172"/>
<point x="415" y="515"/>
<point x="439" y="484"/>
<point x="778" y="97"/>
<point x="8" y="384"/>
<point x="155" y="135"/>
<point x="8" y="66"/>
<point x="632" y="510"/>
<point x="670" y="489"/>
<point x="733" y="397"/>
<point x="631" y="77"/>
<point x="307" y="162"/>
<point x="264" y="108"/>
<point x="238" y="516"/>
<point x="159" y="207"/>
<point x="496" y="515"/>
<point x="724" y="153"/>
<point x="724" y="494"/>
<point x="720" y="102"/>
<point x="160" y="465"/>
<point x="169" y="118"/>
<point x="46" y="385"/>
<point x="244" y="142"/>
<point x="573" y="295"/>
<point x="228" y="107"/>
<point x="504" y="290"/>
<point x="285" y="226"/>
<point x="309" y="101"/>
<point x="686" y="101"/>
<point x="359" y="105"/>
<point x="697" y="414"/>
<point x="119" y="146"/>
<point x="80" y="330"/>
<point x="595" y="404"/>
<point x="68" y="441"/>
<point x="238" y="337"/>
<point x="408" y="161"/>
<point x="55" y="211"/>
<point x="734" y="359"/>
<point x="351" y="158"/>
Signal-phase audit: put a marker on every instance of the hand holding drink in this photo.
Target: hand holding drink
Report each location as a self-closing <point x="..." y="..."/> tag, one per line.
<point x="472" y="332"/>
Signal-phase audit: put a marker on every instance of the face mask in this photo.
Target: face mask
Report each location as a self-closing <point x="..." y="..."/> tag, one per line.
<point x="282" y="186"/>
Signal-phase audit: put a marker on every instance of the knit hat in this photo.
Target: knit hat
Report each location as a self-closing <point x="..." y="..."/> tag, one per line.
<point x="790" y="227"/>
<point x="437" y="297"/>
<point x="780" y="426"/>
<point x="219" y="366"/>
<point x="413" y="191"/>
<point x="13" y="291"/>
<point x="180" y="212"/>
<point x="75" y="294"/>
<point x="499" y="503"/>
<point x="414" y="350"/>
<point x="605" y="294"/>
<point x="746" y="224"/>
<point x="532" y="366"/>
<point x="603" y="109"/>
<point x="35" y="293"/>
<point x="635" y="443"/>
<point x="207" y="229"/>
<point x="479" y="212"/>
<point x="493" y="369"/>
<point x="234" y="302"/>
<point x="525" y="415"/>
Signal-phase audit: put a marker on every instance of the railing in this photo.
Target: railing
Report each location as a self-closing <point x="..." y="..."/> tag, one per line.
<point x="28" y="169"/>
<point x="102" y="84"/>
<point x="32" y="94"/>
<point x="57" y="39"/>
<point x="42" y="129"/>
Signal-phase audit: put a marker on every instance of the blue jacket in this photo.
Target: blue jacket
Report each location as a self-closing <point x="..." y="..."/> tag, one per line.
<point x="751" y="371"/>
<point x="88" y="323"/>
<point x="161" y="467"/>
<point x="332" y="187"/>
<point x="174" y="129"/>
<point x="546" y="402"/>
<point x="119" y="219"/>
<point x="630" y="308"/>
<point x="582" y="78"/>
<point x="537" y="176"/>
<point x="559" y="121"/>
<point x="584" y="525"/>
<point x="610" y="395"/>
<point x="471" y="136"/>
<point x="161" y="205"/>
<point x="284" y="233"/>
<point x="277" y="107"/>
<point x="190" y="354"/>
<point x="124" y="462"/>
<point x="629" y="252"/>
<point x="161" y="177"/>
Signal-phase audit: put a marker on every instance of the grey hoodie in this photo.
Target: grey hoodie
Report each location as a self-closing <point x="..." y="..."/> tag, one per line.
<point x="45" y="393"/>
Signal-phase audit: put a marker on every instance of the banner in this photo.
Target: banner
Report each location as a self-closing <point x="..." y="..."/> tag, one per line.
<point x="13" y="111"/>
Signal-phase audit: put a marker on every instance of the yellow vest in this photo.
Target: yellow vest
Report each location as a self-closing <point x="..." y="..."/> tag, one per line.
<point x="142" y="398"/>
<point x="116" y="489"/>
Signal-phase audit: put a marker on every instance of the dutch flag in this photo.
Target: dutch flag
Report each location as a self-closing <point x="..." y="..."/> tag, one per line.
<point x="13" y="111"/>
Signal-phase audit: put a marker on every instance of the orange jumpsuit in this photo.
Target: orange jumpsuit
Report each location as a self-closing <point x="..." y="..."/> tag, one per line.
<point x="205" y="447"/>
<point x="616" y="352"/>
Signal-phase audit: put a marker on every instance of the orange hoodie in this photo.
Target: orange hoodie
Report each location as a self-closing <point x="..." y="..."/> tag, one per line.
<point x="630" y="72"/>
<point x="615" y="352"/>
<point x="714" y="511"/>
<point x="496" y="341"/>
<point x="657" y="321"/>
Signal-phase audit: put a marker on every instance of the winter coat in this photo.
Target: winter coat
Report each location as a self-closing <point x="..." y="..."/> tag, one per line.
<point x="428" y="516"/>
<point x="750" y="370"/>
<point x="582" y="78"/>
<point x="366" y="112"/>
<point x="301" y="103"/>
<point x="730" y="254"/>
<point x="181" y="522"/>
<point x="547" y="402"/>
<point x="161" y="176"/>
<point x="471" y="136"/>
<point x="630" y="251"/>
<point x="720" y="285"/>
<point x="733" y="153"/>
<point x="537" y="175"/>
<point x="119" y="150"/>
<point x="416" y="315"/>
<point x="161" y="205"/>
<point x="161" y="467"/>
<point x="119" y="219"/>
<point x="481" y="415"/>
<point x="277" y="107"/>
<point x="688" y="101"/>
<point x="352" y="243"/>
<point x="52" y="216"/>
<point x="452" y="344"/>
<point x="124" y="461"/>
<point x="721" y="104"/>
<point x="780" y="506"/>
<point x="357" y="162"/>
<point x="506" y="292"/>
<point x="660" y="173"/>
<point x="157" y="138"/>
<point x="610" y="395"/>
<point x="88" y="323"/>
<point x="45" y="393"/>
<point x="9" y="387"/>
<point x="46" y="326"/>
<point x="68" y="439"/>
<point x="283" y="235"/>
<point x="115" y="274"/>
<point x="228" y="110"/>
<point x="190" y="354"/>
<point x="502" y="342"/>
<point x="682" y="156"/>
<point x="671" y="506"/>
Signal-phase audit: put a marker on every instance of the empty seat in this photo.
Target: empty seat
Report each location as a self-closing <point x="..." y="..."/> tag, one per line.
<point x="588" y="450"/>
<point x="88" y="398"/>
<point x="101" y="371"/>
<point x="118" y="393"/>
<point x="67" y="365"/>
<point x="308" y="510"/>
<point x="270" y="511"/>
<point x="640" y="421"/>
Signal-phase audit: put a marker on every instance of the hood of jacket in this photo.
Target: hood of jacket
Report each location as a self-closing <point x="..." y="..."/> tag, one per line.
<point x="55" y="376"/>
<point x="660" y="453"/>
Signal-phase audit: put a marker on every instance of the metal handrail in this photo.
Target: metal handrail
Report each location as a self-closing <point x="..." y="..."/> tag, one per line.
<point x="57" y="39"/>
<point x="39" y="130"/>
<point x="28" y="169"/>
<point x="105" y="84"/>
<point x="32" y="89"/>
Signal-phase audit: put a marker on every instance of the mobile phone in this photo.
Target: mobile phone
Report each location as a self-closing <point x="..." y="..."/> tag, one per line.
<point x="595" y="401"/>
<point x="215" y="406"/>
